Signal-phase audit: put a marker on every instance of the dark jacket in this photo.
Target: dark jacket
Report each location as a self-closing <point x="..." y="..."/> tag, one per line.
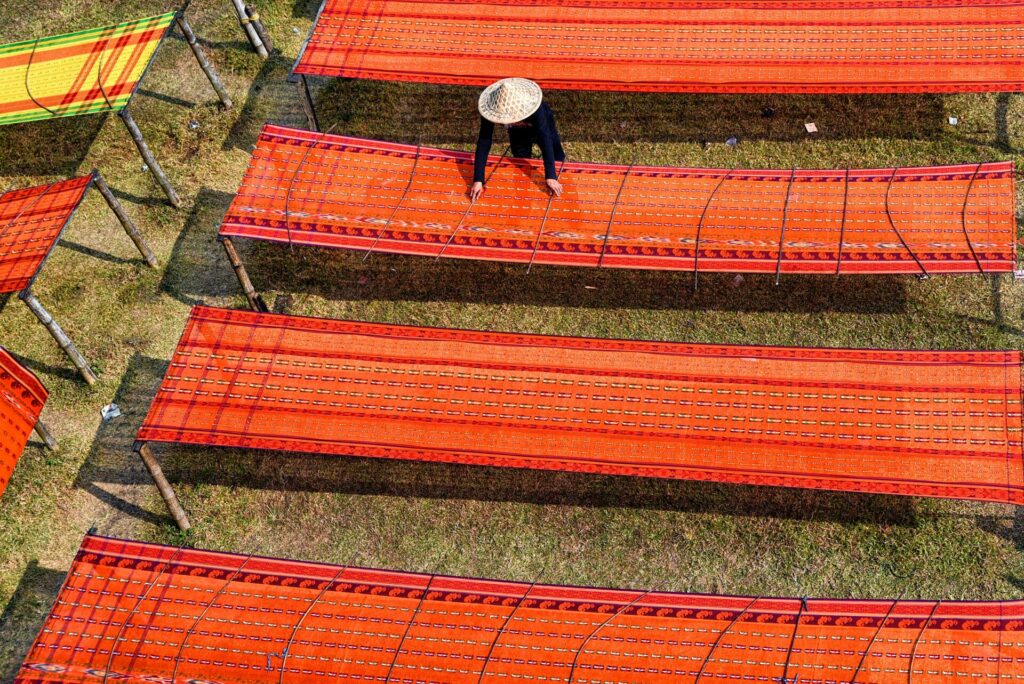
<point x="539" y="129"/>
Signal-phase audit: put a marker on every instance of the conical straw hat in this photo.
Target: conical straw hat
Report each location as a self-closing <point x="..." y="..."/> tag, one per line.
<point x="510" y="100"/>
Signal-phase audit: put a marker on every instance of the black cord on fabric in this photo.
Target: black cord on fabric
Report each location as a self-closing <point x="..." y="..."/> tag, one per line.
<point x="896" y="230"/>
<point x="30" y="205"/>
<point x="99" y="77"/>
<point x="504" y="625"/>
<point x="963" y="219"/>
<point x="700" y="225"/>
<point x="718" y="639"/>
<point x="302" y="618"/>
<point x="472" y="202"/>
<point x="291" y="183"/>
<point x="782" y="232"/>
<point x="792" y="642"/>
<point x="408" y="627"/>
<point x="188" y="634"/>
<point x="540" y="231"/>
<point x="412" y="176"/>
<point x="842" y="226"/>
<point x="620" y="611"/>
<point x="611" y="218"/>
<point x="138" y="604"/>
<point x="28" y="70"/>
<point x="913" y="651"/>
<point x="864" y="655"/>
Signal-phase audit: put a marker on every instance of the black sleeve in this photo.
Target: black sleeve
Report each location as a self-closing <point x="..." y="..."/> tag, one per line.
<point x="546" y="139"/>
<point x="483" y="148"/>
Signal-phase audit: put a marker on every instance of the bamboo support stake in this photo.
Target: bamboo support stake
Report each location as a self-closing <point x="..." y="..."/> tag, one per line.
<point x="147" y="156"/>
<point x="250" y="30"/>
<point x="261" y="30"/>
<point x="59" y="335"/>
<point x="204" y="63"/>
<point x="255" y="300"/>
<point x="307" y="105"/>
<point x="126" y="223"/>
<point x="166" y="491"/>
<point x="44" y="434"/>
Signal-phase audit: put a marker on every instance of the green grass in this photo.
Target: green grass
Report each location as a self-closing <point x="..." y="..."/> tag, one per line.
<point x="515" y="524"/>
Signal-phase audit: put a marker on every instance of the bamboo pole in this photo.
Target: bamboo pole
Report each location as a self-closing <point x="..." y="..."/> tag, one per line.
<point x="204" y="63"/>
<point x="250" y="30"/>
<point x="256" y="302"/>
<point x="126" y="223"/>
<point x="44" y="434"/>
<point x="59" y="335"/>
<point x="307" y="105"/>
<point x="261" y="30"/>
<point x="147" y="156"/>
<point x="164" y="487"/>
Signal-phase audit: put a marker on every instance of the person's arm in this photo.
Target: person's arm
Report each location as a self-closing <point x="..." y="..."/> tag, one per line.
<point x="544" y="125"/>
<point x="546" y="140"/>
<point x="483" y="149"/>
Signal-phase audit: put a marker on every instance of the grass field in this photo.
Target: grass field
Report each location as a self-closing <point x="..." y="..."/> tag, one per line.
<point x="518" y="525"/>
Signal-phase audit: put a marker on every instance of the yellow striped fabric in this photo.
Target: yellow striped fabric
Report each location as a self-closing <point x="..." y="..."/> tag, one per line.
<point x="77" y="73"/>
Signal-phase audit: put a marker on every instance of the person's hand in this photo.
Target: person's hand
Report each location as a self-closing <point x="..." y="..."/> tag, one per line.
<point x="476" y="191"/>
<point x="555" y="187"/>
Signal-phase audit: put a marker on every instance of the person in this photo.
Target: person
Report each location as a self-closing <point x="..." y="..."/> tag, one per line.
<point x="518" y="104"/>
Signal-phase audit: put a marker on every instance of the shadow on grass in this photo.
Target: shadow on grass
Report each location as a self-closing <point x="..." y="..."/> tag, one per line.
<point x="111" y="459"/>
<point x="112" y="462"/>
<point x="446" y="115"/>
<point x="24" y="614"/>
<point x="270" y="98"/>
<point x="48" y="148"/>
<point x="343" y="275"/>
<point x="189" y="276"/>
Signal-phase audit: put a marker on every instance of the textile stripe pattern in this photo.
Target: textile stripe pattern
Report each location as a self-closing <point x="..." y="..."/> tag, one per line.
<point x="22" y="397"/>
<point x="78" y="73"/>
<point x="945" y="424"/>
<point x="135" y="612"/>
<point x="677" y="46"/>
<point x="31" y="221"/>
<point x="336" y="191"/>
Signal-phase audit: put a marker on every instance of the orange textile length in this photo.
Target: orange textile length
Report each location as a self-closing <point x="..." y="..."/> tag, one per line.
<point x="335" y="191"/>
<point x="31" y="221"/>
<point x="135" y="612"/>
<point x="22" y="397"/>
<point x="927" y="423"/>
<point x="711" y="46"/>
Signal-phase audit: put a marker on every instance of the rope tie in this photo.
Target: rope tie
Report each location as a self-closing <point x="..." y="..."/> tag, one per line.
<point x="620" y="611"/>
<point x="302" y="618"/>
<point x="782" y="232"/>
<point x="540" y="231"/>
<point x="611" y="219"/>
<point x="888" y="214"/>
<point x="700" y="226"/>
<point x="408" y="627"/>
<point x="188" y="634"/>
<point x="412" y="176"/>
<point x="963" y="219"/>
<point x="138" y="604"/>
<point x="721" y="635"/>
<point x="842" y="226"/>
<point x="792" y="642"/>
<point x="472" y="202"/>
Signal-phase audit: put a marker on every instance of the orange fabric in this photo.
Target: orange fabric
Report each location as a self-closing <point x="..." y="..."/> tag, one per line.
<point x="944" y="424"/>
<point x="187" y="615"/>
<point x="21" y="400"/>
<point x="31" y="221"/>
<point x="336" y="191"/>
<point x="725" y="46"/>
